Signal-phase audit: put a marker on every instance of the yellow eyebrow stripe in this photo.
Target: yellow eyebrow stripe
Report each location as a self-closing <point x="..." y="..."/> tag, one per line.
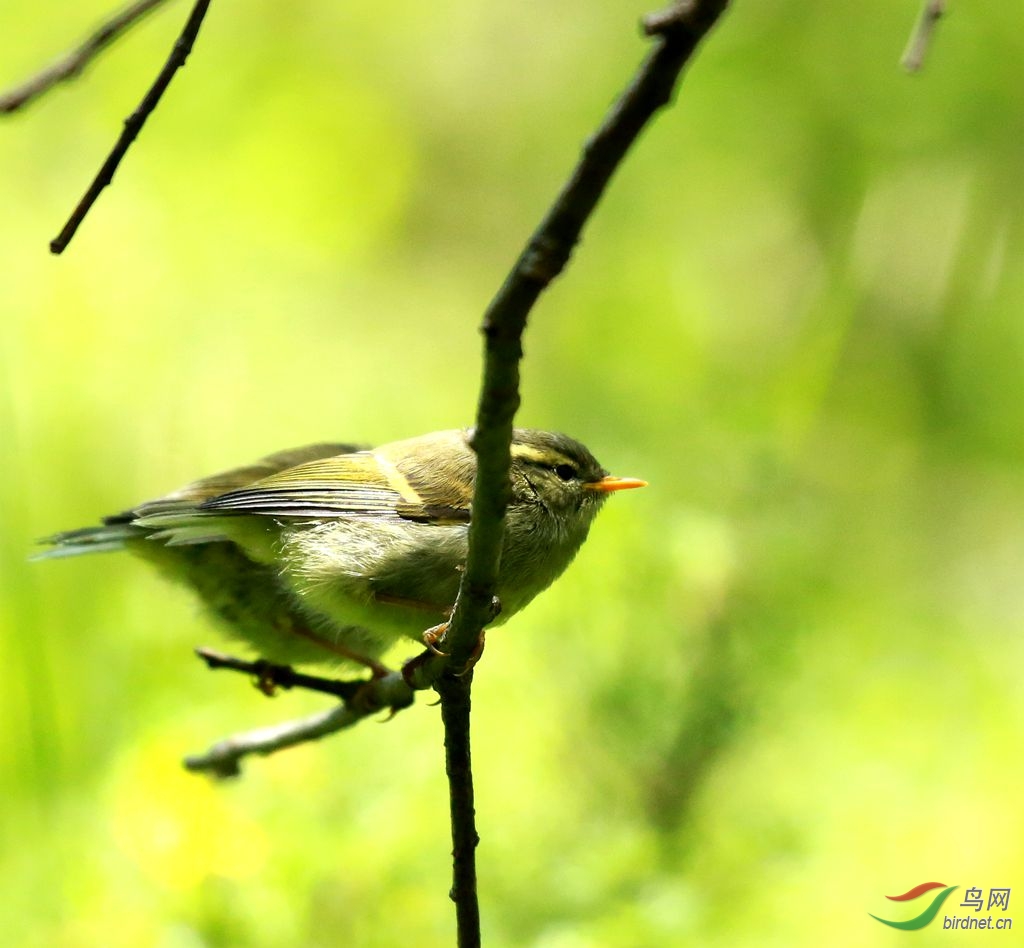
<point x="528" y="453"/>
<point x="397" y="480"/>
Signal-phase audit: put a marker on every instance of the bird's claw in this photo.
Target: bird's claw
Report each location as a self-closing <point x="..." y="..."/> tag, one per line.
<point x="434" y="635"/>
<point x="267" y="681"/>
<point x="474" y="657"/>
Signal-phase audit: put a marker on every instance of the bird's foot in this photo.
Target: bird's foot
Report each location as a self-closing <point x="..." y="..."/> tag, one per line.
<point x="269" y="676"/>
<point x="474" y="656"/>
<point x="433" y="635"/>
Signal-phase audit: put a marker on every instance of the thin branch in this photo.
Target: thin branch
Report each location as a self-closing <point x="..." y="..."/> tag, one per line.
<point x="921" y="38"/>
<point x="455" y="707"/>
<point x="678" y="30"/>
<point x="133" y="124"/>
<point x="359" y="699"/>
<point x="269" y="677"/>
<point x="224" y="758"/>
<point x="72" y="63"/>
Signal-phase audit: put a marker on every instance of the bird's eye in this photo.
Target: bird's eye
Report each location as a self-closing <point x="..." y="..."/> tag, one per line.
<point x="565" y="471"/>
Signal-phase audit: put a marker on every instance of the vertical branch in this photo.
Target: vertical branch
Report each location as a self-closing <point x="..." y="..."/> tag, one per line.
<point x="677" y="30"/>
<point x="455" y="706"/>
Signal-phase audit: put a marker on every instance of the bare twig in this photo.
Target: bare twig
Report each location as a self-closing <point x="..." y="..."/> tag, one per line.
<point x="359" y="699"/>
<point x="224" y="758"/>
<point x="920" y="39"/>
<point x="455" y="692"/>
<point x="270" y="677"/>
<point x="72" y="63"/>
<point x="678" y="30"/>
<point x="133" y="124"/>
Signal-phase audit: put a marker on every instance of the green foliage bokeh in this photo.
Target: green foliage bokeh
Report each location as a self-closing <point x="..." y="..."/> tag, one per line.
<point x="779" y="684"/>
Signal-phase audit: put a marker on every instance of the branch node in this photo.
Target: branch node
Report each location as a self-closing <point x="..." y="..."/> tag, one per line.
<point x="544" y="258"/>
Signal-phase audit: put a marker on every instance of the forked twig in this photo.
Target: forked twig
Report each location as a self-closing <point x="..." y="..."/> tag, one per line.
<point x="359" y="698"/>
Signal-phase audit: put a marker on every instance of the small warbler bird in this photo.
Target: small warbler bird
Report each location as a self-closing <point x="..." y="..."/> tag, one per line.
<point x="333" y="553"/>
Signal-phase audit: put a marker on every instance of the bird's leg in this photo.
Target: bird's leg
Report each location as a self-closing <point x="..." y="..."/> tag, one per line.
<point x="436" y="632"/>
<point x="377" y="670"/>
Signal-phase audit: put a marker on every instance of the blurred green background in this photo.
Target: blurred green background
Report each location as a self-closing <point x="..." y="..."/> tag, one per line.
<point x="778" y="685"/>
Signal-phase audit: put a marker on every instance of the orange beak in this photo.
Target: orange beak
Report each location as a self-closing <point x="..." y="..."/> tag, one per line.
<point x="607" y="484"/>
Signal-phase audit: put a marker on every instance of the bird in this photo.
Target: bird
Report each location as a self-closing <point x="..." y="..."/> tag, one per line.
<point x="332" y="553"/>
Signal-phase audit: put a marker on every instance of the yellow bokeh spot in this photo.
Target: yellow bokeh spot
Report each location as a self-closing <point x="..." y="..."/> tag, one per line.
<point x="180" y="829"/>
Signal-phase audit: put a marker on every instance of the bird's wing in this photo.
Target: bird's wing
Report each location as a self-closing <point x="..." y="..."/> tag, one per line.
<point x="191" y="496"/>
<point x="363" y="484"/>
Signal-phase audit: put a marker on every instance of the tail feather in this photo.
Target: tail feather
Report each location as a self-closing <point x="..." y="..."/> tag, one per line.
<point x="100" y="539"/>
<point x="173" y="520"/>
